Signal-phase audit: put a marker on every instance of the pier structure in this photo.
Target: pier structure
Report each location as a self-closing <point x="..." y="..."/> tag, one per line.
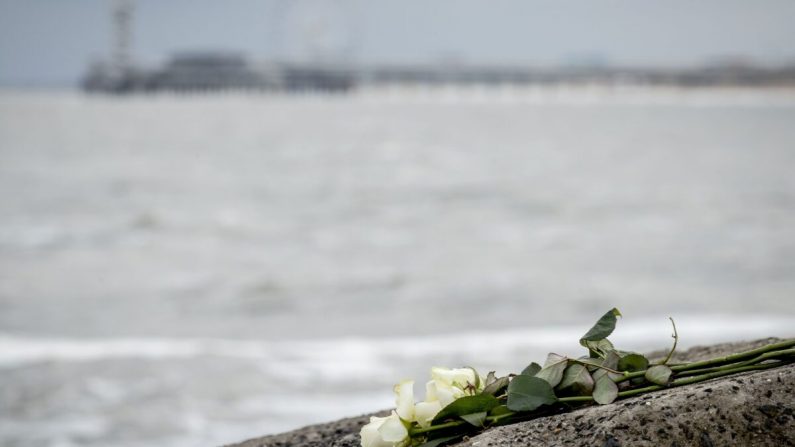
<point x="212" y="70"/>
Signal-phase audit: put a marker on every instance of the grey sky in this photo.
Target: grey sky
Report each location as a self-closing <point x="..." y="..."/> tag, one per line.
<point x="51" y="41"/>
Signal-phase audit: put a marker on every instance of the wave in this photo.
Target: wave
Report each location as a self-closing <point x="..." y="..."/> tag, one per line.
<point x="637" y="334"/>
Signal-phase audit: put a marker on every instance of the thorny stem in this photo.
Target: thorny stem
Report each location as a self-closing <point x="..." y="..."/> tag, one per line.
<point x="700" y="378"/>
<point x="736" y="357"/>
<point x="766" y="356"/>
<point x="725" y="371"/>
<point x="676" y="340"/>
<point x="728" y="359"/>
<point x="452" y="424"/>
<point x="420" y="430"/>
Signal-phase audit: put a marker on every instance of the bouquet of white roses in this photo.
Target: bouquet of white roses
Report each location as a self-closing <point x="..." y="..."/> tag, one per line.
<point x="459" y="402"/>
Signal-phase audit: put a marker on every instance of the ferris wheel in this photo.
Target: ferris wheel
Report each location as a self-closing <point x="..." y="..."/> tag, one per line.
<point x="318" y="31"/>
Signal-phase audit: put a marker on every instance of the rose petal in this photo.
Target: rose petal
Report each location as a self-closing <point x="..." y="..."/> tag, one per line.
<point x="426" y="411"/>
<point x="370" y="435"/>
<point x="443" y="393"/>
<point x="405" y="400"/>
<point x="393" y="430"/>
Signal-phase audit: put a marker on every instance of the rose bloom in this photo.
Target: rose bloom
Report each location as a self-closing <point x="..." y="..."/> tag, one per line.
<point x="445" y="386"/>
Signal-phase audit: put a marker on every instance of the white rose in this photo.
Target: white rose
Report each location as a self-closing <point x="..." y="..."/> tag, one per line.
<point x="384" y="432"/>
<point x="465" y="378"/>
<point x="442" y="392"/>
<point x="447" y="386"/>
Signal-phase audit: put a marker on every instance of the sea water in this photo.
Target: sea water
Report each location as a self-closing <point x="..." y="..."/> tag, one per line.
<point x="184" y="270"/>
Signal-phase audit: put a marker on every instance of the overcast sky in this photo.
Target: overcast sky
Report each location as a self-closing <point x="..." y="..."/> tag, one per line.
<point x="52" y="41"/>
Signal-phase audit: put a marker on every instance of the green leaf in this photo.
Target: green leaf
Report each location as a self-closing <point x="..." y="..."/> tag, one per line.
<point x="591" y="363"/>
<point x="659" y="374"/>
<point x="477" y="419"/>
<point x="553" y="369"/>
<point x="610" y="361"/>
<point x="527" y="393"/>
<point x="633" y="362"/>
<point x="598" y="348"/>
<point x="603" y="328"/>
<point x="496" y="387"/>
<point x="467" y="405"/>
<point x="490" y="378"/>
<point x="502" y="409"/>
<point x="532" y="369"/>
<point x="605" y="391"/>
<point x="439" y="441"/>
<point x="577" y="379"/>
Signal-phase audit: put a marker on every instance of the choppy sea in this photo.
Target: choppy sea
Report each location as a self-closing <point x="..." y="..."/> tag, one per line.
<point x="183" y="270"/>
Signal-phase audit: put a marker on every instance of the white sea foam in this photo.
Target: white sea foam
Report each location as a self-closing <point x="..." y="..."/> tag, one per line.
<point x="359" y="352"/>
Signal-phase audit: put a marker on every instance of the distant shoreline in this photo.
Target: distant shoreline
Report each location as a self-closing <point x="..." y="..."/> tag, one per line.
<point x="368" y="90"/>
